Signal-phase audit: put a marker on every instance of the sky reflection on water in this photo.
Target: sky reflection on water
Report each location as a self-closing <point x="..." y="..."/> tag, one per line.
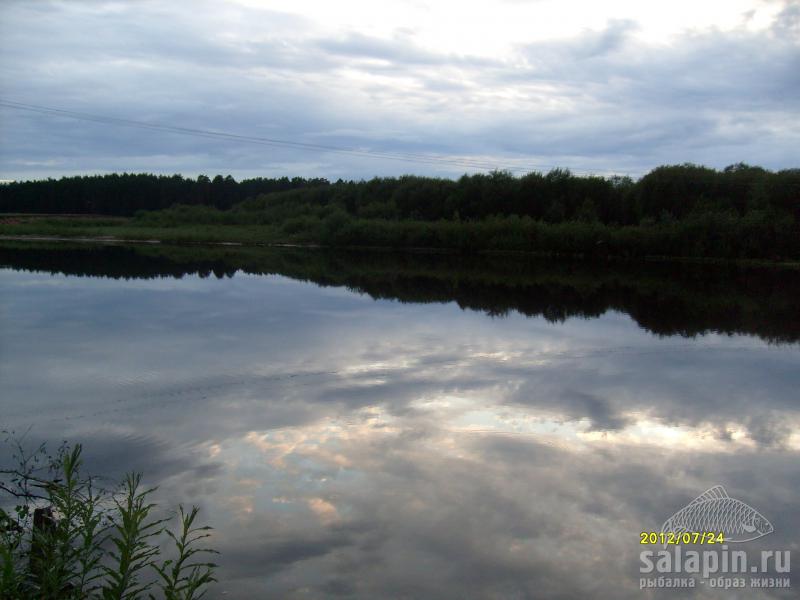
<point x="367" y="448"/>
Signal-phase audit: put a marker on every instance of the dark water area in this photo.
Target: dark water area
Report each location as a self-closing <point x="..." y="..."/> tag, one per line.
<point x="665" y="298"/>
<point x="364" y="425"/>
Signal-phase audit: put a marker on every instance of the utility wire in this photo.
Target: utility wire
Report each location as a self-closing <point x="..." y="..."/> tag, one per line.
<point x="210" y="134"/>
<point x="467" y="163"/>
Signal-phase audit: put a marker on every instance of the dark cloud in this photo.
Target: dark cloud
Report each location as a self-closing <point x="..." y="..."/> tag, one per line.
<point x="601" y="100"/>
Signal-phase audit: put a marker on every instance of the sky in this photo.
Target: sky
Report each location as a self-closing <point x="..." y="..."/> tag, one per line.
<point x="363" y="89"/>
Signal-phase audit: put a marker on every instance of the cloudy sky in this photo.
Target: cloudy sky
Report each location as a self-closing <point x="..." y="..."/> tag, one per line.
<point x="406" y="86"/>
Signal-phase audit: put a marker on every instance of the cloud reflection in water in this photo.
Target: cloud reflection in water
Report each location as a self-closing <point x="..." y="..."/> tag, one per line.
<point x="348" y="447"/>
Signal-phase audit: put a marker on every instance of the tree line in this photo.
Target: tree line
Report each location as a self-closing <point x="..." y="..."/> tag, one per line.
<point x="666" y="193"/>
<point x="680" y="210"/>
<point x="124" y="194"/>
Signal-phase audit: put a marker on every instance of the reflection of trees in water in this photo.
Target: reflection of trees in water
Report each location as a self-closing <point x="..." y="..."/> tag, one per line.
<point x="664" y="298"/>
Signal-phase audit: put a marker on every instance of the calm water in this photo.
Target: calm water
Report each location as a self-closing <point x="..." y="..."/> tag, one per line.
<point x="414" y="426"/>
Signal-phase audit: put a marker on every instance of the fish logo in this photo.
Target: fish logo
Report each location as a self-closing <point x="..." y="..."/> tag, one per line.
<point x="714" y="510"/>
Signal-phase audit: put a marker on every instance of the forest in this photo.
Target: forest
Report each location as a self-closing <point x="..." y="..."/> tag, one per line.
<point x="741" y="211"/>
<point x="124" y="194"/>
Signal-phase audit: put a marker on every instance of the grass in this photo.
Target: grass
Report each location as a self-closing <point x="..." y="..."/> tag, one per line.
<point x="129" y="229"/>
<point x="705" y="237"/>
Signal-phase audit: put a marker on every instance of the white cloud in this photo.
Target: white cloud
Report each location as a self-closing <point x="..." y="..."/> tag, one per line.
<point x="615" y="86"/>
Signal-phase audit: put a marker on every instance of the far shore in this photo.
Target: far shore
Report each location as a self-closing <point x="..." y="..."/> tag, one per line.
<point x="109" y="239"/>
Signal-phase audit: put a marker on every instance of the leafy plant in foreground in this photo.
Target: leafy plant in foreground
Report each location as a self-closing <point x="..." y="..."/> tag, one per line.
<point x="66" y="538"/>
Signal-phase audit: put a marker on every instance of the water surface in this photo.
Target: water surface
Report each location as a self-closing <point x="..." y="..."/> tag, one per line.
<point x="414" y="426"/>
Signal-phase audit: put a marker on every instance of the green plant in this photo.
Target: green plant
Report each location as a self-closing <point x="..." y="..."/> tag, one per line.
<point x="182" y="579"/>
<point x="67" y="538"/>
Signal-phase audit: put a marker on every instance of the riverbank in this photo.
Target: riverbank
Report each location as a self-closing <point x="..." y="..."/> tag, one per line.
<point x="680" y="212"/>
<point x="155" y="237"/>
<point x="129" y="230"/>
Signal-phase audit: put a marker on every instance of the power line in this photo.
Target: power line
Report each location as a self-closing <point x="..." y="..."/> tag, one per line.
<point x="466" y="163"/>
<point x="210" y="134"/>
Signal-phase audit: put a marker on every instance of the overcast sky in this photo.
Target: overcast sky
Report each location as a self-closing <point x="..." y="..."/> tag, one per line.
<point x="609" y="87"/>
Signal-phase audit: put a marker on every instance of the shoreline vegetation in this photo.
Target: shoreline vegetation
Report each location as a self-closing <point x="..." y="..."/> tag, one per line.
<point x="681" y="211"/>
<point x="106" y="240"/>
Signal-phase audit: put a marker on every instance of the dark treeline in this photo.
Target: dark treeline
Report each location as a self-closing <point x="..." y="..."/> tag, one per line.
<point x="664" y="298"/>
<point x="666" y="193"/>
<point x="741" y="212"/>
<point x="123" y="195"/>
